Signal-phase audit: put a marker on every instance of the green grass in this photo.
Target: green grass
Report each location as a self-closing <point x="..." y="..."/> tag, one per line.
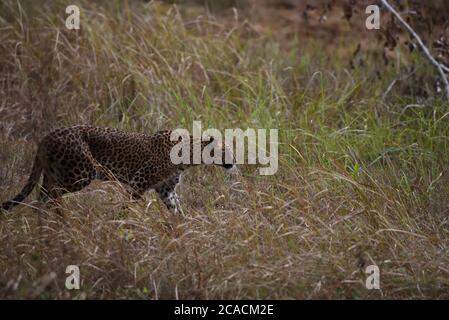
<point x="362" y="180"/>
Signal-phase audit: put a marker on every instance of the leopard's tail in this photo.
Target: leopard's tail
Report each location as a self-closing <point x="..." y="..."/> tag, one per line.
<point x="29" y="186"/>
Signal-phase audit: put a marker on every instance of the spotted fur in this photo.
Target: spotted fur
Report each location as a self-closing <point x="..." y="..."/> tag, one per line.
<point x="70" y="158"/>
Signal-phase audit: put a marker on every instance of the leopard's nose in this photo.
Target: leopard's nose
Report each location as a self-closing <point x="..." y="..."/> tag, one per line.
<point x="228" y="166"/>
<point x="232" y="169"/>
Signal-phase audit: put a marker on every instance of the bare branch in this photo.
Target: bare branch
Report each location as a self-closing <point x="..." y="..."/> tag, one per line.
<point x="444" y="67"/>
<point x="424" y="49"/>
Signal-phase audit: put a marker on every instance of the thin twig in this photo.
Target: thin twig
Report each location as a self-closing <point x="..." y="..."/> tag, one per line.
<point x="390" y="87"/>
<point x="422" y="45"/>
<point x="393" y="83"/>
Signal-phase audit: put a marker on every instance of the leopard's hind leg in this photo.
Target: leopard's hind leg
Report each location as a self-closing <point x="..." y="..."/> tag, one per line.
<point x="67" y="174"/>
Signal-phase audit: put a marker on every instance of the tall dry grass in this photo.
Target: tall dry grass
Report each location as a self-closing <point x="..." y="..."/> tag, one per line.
<point x="361" y="180"/>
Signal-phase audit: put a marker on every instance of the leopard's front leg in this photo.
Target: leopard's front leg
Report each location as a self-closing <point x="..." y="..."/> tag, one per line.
<point x="168" y="195"/>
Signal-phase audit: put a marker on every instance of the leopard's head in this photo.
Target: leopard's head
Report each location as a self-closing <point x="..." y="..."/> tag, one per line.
<point x="225" y="155"/>
<point x="207" y="151"/>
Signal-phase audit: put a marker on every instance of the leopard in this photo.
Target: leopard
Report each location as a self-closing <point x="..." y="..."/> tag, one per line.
<point x="70" y="158"/>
